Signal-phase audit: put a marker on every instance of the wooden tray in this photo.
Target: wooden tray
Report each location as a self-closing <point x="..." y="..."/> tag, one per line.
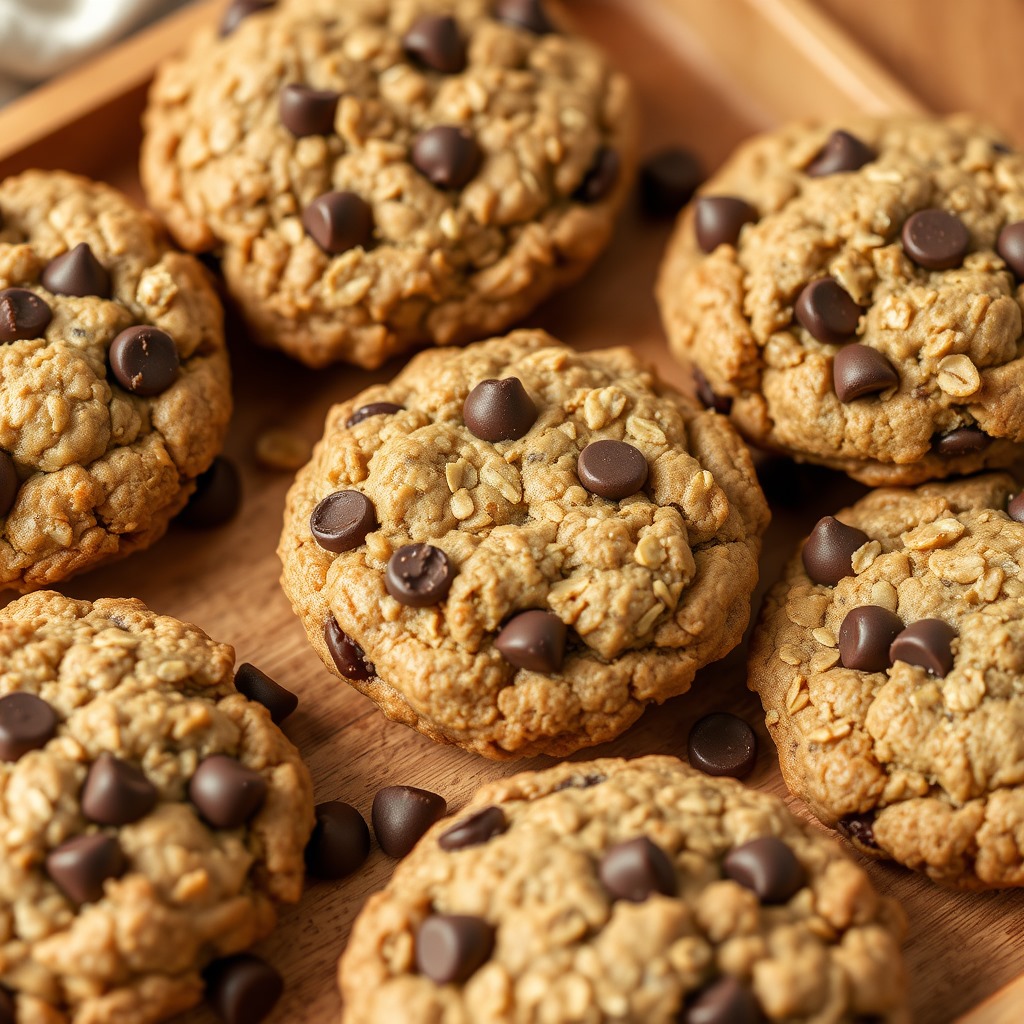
<point x="709" y="73"/>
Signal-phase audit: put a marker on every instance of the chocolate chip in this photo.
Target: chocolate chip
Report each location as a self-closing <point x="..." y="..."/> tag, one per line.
<point x="865" y="636"/>
<point x="116" y="792"/>
<point x="9" y="483"/>
<point x="419" y="575"/>
<point x="258" y="686"/>
<point x="726" y="1001"/>
<point x="962" y="441"/>
<point x="347" y="655"/>
<point x="768" y="867"/>
<point x="434" y="42"/>
<point x="473" y="831"/>
<point x="23" y="315"/>
<point x="717" y="220"/>
<point x="1011" y="247"/>
<point x="841" y="152"/>
<point x="401" y="814"/>
<point x="1015" y="508"/>
<point x="144" y="360"/>
<point x="26" y="723"/>
<point x="77" y="272"/>
<point x="450" y="947"/>
<point x="935" y="239"/>
<point x="446" y="156"/>
<point x="527" y="14"/>
<point x="612" y="469"/>
<point x="305" y="111"/>
<point x="340" y="842"/>
<point x="339" y="221"/>
<point x="600" y="179"/>
<point x="6" y="1002"/>
<point x="828" y="553"/>
<point x="579" y="782"/>
<point x="860" y="828"/>
<point x="217" y="497"/>
<point x="707" y="397"/>
<point x="722" y="744"/>
<point x="926" y="643"/>
<point x="242" y="989"/>
<point x="364" y="412"/>
<point x="637" y="869"/>
<point x="826" y="310"/>
<point x="668" y="180"/>
<point x="499" y="410"/>
<point x="860" y="370"/>
<point x="80" y="866"/>
<point x="239" y="11"/>
<point x="341" y="521"/>
<point x="226" y="792"/>
<point x="533" y="640"/>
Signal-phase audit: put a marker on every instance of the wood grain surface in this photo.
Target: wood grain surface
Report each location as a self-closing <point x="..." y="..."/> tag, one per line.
<point x="708" y="73"/>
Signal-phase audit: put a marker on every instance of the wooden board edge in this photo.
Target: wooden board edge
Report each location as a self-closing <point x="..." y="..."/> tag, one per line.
<point x="1005" y="1007"/>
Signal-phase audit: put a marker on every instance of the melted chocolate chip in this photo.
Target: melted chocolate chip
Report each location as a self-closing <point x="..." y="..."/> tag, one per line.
<point x="23" y="315"/>
<point x="434" y="42"/>
<point x="826" y="310"/>
<point x="828" y="553"/>
<point x="499" y="410"/>
<point x="339" y="221"/>
<point x="144" y="360"/>
<point x="419" y="575"/>
<point x="401" y="814"/>
<point x="533" y="640"/>
<point x="259" y="687"/>
<point x="217" y="497"/>
<point x="841" y="152"/>
<point x="77" y="272"/>
<point x="601" y="178"/>
<point x="340" y="842"/>
<point x="473" y="831"/>
<point x="80" y="866"/>
<point x="364" y="412"/>
<point x="768" y="867"/>
<point x="935" y="239"/>
<point x="116" y="792"/>
<point x="962" y="441"/>
<point x="451" y="947"/>
<point x="226" y="792"/>
<point x="860" y="370"/>
<point x="668" y="180"/>
<point x="446" y="156"/>
<point x="926" y="643"/>
<point x="637" y="869"/>
<point x="860" y="828"/>
<point x="718" y="220"/>
<point x="242" y="989"/>
<point x="341" y="521"/>
<point x="722" y="744"/>
<point x="26" y="723"/>
<point x="612" y="469"/>
<point x="579" y="782"/>
<point x="305" y="111"/>
<point x="865" y="636"/>
<point x="347" y="655"/>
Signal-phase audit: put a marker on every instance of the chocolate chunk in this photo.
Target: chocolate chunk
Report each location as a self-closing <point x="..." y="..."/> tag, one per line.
<point x="707" y="397"/>
<point x="1015" y="508"/>
<point x="768" y="867"/>
<point x="668" y="180"/>
<point x="217" y="497"/>
<point x="401" y="814"/>
<point x="80" y="866"/>
<point x="450" y="947"/>
<point x="341" y="521"/>
<point x="364" y="412"/>
<point x="347" y="655"/>
<point x="446" y="156"/>
<point x="305" y="111"/>
<point x="473" y="831"/>
<point x="116" y="792"/>
<point x="722" y="744"/>
<point x="258" y="686"/>
<point x="1011" y="247"/>
<point x="9" y="483"/>
<point x="612" y="469"/>
<point x="527" y="14"/>
<point x="601" y="178"/>
<point x="717" y="220"/>
<point x="826" y="310"/>
<point x="533" y="640"/>
<point x="434" y="42"/>
<point x="77" y="272"/>
<point x="499" y="410"/>
<point x="419" y="575"/>
<point x="727" y="1001"/>
<point x="860" y="828"/>
<point x="865" y="636"/>
<point x="242" y="989"/>
<point x="935" y="239"/>
<point x="239" y="10"/>
<point x="637" y="869"/>
<point x="339" y="221"/>
<point x="828" y="553"/>
<point x="340" y="842"/>
<point x="23" y="315"/>
<point x="859" y="370"/>
<point x="26" y="723"/>
<point x="144" y="360"/>
<point x="926" y="643"/>
<point x="841" y="152"/>
<point x="962" y="441"/>
<point x="226" y="792"/>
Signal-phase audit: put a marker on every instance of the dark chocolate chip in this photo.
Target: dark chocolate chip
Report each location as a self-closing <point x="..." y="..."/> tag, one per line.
<point x="727" y="1001"/>
<point x="217" y="497"/>
<point x="860" y="828"/>
<point x="668" y="180"/>
<point x="9" y="483"/>
<point x="826" y="310"/>
<point x="860" y="370"/>
<point x="473" y="831"/>
<point x="926" y="643"/>
<point x="339" y="221"/>
<point x="239" y="11"/>
<point x="341" y="521"/>
<point x="526" y="14"/>
<point x="144" y="360"/>
<point x="242" y="989"/>
<point x="450" y="947"/>
<point x="1011" y="247"/>
<point x="23" y="315"/>
<point x="962" y="441"/>
<point x="340" y="842"/>
<point x="533" y="640"/>
<point x="348" y="656"/>
<point x="419" y="575"/>
<point x="401" y="814"/>
<point x="612" y="469"/>
<point x="935" y="239"/>
<point x="499" y="410"/>
<point x="26" y="723"/>
<point x="637" y="869"/>
<point x="865" y="636"/>
<point x="601" y="178"/>
<point x="77" y="272"/>
<point x="717" y="220"/>
<point x="80" y="866"/>
<point x="828" y="553"/>
<point x="768" y="867"/>
<point x="226" y="792"/>
<point x="707" y="397"/>
<point x="1015" y="508"/>
<point x="116" y="792"/>
<point x="841" y="152"/>
<point x="305" y="111"/>
<point x="722" y="744"/>
<point x="258" y="686"/>
<point x="434" y="42"/>
<point x="364" y="412"/>
<point x="446" y="156"/>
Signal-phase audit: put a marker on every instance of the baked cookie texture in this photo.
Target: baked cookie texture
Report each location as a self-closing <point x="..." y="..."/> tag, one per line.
<point x="158" y="695"/>
<point x="96" y="470"/>
<point x="650" y="587"/>
<point x="912" y="764"/>
<point x="549" y="166"/>
<point x="567" y="947"/>
<point x="938" y="349"/>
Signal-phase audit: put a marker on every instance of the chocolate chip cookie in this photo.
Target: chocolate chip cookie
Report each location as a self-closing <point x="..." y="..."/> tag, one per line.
<point x="850" y="294"/>
<point x="888" y="662"/>
<point x="516" y="547"/>
<point x="151" y="816"/>
<point x="381" y="175"/>
<point x="631" y="891"/>
<point x="114" y="382"/>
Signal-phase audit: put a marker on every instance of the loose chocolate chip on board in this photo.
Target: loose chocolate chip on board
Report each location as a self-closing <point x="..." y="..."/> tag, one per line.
<point x="727" y="1001"/>
<point x="1015" y="508"/>
<point x="841" y="152"/>
<point x="499" y="410"/>
<point x="865" y="636"/>
<point x="77" y="272"/>
<point x="450" y="947"/>
<point x="707" y="397"/>
<point x="860" y="828"/>
<point x="637" y="869"/>
<point x="434" y="42"/>
<point x="935" y="239"/>
<point x="826" y="310"/>
<point x="340" y="842"/>
<point x="473" y="831"/>
<point x="346" y="654"/>
<point x="828" y="553"/>
<point x="117" y="792"/>
<point x="768" y="867"/>
<point x="80" y="866"/>
<point x="341" y="521"/>
<point x="258" y="686"/>
<point x="926" y="643"/>
<point x="242" y="989"/>
<point x="401" y="814"/>
<point x="533" y="640"/>
<point x="144" y="360"/>
<point x="718" y="220"/>
<point x="612" y="469"/>
<point x="860" y="370"/>
<point x="962" y="441"/>
<point x="226" y="792"/>
<point x="722" y="744"/>
<point x="527" y="14"/>
<point x="339" y="221"/>
<point x="419" y="575"/>
<point x="217" y="497"/>
<point x="1011" y="247"/>
<point x="9" y="483"/>
<point x="601" y="178"/>
<point x="23" y="315"/>
<point x="364" y="412"/>
<point x="26" y="723"/>
<point x="447" y="156"/>
<point x="239" y="11"/>
<point x="305" y="111"/>
<point x="668" y="180"/>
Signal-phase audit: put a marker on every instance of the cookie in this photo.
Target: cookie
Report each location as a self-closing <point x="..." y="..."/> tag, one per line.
<point x="114" y="382"/>
<point x="632" y="891"/>
<point x="522" y="564"/>
<point x="888" y="663"/>
<point x="152" y="817"/>
<point x="851" y="293"/>
<point x="378" y="175"/>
